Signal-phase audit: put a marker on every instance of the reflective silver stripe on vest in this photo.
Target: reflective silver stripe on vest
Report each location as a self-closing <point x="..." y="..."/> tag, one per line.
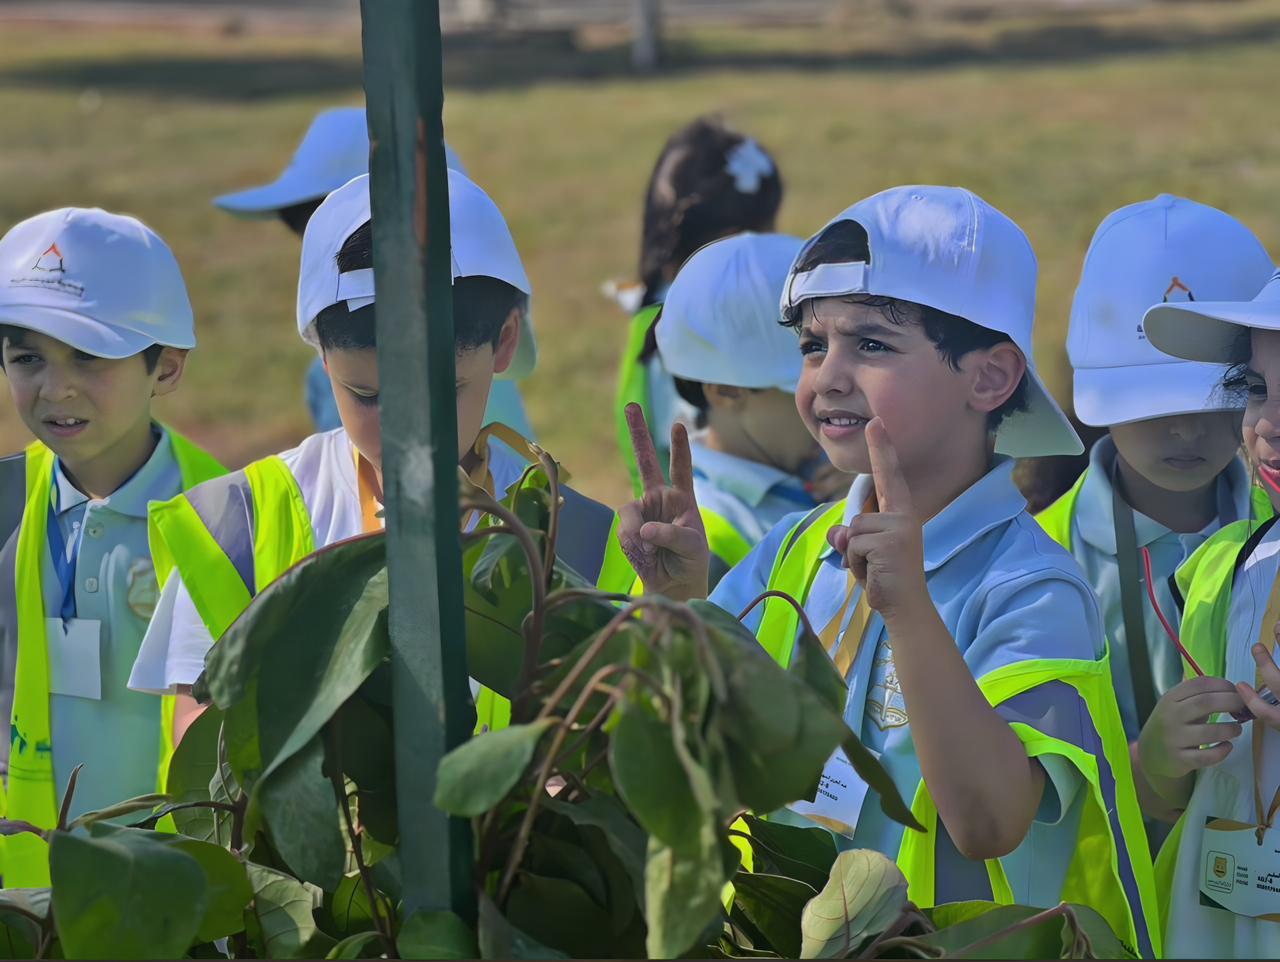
<point x="584" y="534"/>
<point x="1057" y="710"/>
<point x="225" y="506"/>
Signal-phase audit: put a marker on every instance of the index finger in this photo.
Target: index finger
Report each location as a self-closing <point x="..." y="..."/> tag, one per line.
<point x="642" y="447"/>
<point x="681" y="459"/>
<point x="892" y="493"/>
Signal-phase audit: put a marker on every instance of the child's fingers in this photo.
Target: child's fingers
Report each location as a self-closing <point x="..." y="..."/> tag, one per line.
<point x="1210" y="703"/>
<point x="1262" y="711"/>
<point x="1267" y="667"/>
<point x="838" y="537"/>
<point x="1196" y="758"/>
<point x="642" y="446"/>
<point x="680" y="540"/>
<point x="681" y="459"/>
<point x="892" y="493"/>
<point x="1193" y="736"/>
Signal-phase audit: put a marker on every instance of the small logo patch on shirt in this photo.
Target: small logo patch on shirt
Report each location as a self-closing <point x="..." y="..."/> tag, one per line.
<point x="885" y="704"/>
<point x="144" y="591"/>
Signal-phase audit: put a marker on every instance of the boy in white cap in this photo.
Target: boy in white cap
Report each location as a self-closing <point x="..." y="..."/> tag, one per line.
<point x="1218" y="867"/>
<point x="95" y="324"/>
<point x="719" y="336"/>
<point x="335" y="149"/>
<point x="221" y="543"/>
<point x="971" y="643"/>
<point x="1168" y="474"/>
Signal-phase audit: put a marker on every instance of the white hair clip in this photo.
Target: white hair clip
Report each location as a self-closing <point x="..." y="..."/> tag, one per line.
<point x="748" y="165"/>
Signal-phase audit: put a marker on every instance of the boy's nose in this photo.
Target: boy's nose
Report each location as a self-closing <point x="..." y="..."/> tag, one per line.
<point x="57" y="387"/>
<point x="833" y="377"/>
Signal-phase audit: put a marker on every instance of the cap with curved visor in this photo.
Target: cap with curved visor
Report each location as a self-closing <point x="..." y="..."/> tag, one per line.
<point x="1213" y="330"/>
<point x="947" y="248"/>
<point x="334" y="149"/>
<point x="104" y="283"/>
<point x="481" y="244"/>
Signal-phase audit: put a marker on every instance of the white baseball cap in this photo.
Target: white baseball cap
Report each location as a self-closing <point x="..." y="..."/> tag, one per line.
<point x="947" y="248"/>
<point x="481" y="246"/>
<point x="334" y="149"/>
<point x="1165" y="250"/>
<point x="1212" y="330"/>
<point x="720" y="322"/>
<point x="104" y="283"/>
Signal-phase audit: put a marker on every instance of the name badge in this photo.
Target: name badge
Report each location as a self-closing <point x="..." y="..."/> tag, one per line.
<point x="841" y="793"/>
<point x="75" y="657"/>
<point x="1236" y="873"/>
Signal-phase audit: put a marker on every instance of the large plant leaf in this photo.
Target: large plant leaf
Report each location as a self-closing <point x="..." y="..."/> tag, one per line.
<point x="348" y="909"/>
<point x="605" y="813"/>
<point x="436" y="935"/>
<point x="281" y="919"/>
<point x="682" y="894"/>
<point x="22" y="913"/>
<point x="362" y="945"/>
<point x="560" y="914"/>
<point x="368" y="758"/>
<point x="480" y="772"/>
<point x="125" y="895"/>
<point x="979" y="930"/>
<point x="806" y="854"/>
<point x="774" y="904"/>
<point x="302" y="816"/>
<point x="654" y="783"/>
<point x="879" y="781"/>
<point x="499" y="939"/>
<point x="192" y="768"/>
<point x="228" y="889"/>
<point x="863" y="896"/>
<point x="813" y="666"/>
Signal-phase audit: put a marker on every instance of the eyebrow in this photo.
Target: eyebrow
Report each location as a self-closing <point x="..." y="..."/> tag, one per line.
<point x="359" y="388"/>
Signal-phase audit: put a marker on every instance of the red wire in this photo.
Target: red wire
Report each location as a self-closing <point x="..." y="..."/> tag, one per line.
<point x="1168" y="629"/>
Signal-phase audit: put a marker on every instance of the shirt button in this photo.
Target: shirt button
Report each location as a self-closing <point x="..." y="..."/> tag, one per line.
<point x="90" y="584"/>
<point x="94" y="530"/>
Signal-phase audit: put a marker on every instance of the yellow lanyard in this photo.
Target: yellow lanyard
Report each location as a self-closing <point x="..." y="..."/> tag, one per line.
<point x="858" y="623"/>
<point x="366" y="483"/>
<point x="1266" y="638"/>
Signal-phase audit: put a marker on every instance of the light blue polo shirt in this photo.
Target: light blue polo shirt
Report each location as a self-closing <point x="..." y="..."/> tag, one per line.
<point x="1006" y="593"/>
<point x="117" y="737"/>
<point x="751" y="496"/>
<point x="1093" y="544"/>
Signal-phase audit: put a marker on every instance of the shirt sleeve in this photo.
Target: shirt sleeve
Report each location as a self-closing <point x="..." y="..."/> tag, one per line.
<point x="749" y="578"/>
<point x="175" y="645"/>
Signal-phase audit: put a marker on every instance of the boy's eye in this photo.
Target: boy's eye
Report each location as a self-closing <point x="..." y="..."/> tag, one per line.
<point x="871" y="346"/>
<point x="811" y="345"/>
<point x="365" y="400"/>
<point x="21" y="359"/>
<point x="1257" y="392"/>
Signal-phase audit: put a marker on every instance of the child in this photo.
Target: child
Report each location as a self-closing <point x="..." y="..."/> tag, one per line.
<point x="1168" y="474"/>
<point x="719" y="337"/>
<point x="95" y="323"/>
<point x="709" y="182"/>
<point x="971" y="643"/>
<point x="211" y="569"/>
<point x="1219" y="864"/>
<point x="335" y="149"/>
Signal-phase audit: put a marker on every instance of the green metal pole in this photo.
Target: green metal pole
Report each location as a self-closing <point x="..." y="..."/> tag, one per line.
<point x="404" y="89"/>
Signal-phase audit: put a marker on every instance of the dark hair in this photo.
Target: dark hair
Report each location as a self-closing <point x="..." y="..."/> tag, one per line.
<point x="296" y="216"/>
<point x="150" y="355"/>
<point x="694" y="395"/>
<point x="481" y="305"/>
<point x="693" y="199"/>
<point x="1234" y="390"/>
<point x="954" y="336"/>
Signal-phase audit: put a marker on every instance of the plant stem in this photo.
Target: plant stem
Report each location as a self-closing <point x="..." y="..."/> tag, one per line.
<point x="1062" y="910"/>
<point x="67" y="796"/>
<point x="804" y="618"/>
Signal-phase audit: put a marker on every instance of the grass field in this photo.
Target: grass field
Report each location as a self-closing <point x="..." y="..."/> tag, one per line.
<point x="1057" y="122"/>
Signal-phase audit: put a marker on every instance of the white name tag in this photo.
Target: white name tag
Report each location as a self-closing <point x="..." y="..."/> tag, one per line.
<point x="840" y="796"/>
<point x="1236" y="873"/>
<point x="75" y="657"/>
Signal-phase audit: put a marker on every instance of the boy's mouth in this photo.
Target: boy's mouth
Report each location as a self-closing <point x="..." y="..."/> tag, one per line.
<point x="1184" y="462"/>
<point x="840" y="425"/>
<point x="1269" y="473"/>
<point x="65" y="427"/>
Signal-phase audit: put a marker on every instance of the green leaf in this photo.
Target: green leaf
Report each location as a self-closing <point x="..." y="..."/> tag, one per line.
<point x="143" y="803"/>
<point x="879" y="781"/>
<point x="568" y="860"/>
<point x="605" y="813"/>
<point x="863" y="896"/>
<point x="282" y="920"/>
<point x="479" y="773"/>
<point x="436" y="935"/>
<point x="559" y="914"/>
<point x="362" y="945"/>
<point x="368" y="759"/>
<point x="125" y="895"/>
<point x="228" y="887"/>
<point x="192" y="768"/>
<point x="654" y="783"/>
<point x="348" y="909"/>
<point x="302" y="817"/>
<point x="682" y="894"/>
<point x="806" y="854"/>
<point x="774" y="904"/>
<point x="987" y="931"/>
<point x="813" y="666"/>
<point x="22" y="913"/>
<point x="499" y="939"/>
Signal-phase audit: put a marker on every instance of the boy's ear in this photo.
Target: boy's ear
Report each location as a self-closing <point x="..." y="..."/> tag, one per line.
<point x="504" y="352"/>
<point x="997" y="371"/>
<point x="168" y="371"/>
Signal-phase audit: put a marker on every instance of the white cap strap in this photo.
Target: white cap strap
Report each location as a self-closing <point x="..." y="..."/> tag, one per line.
<point x="356" y="288"/>
<point x="827" y="280"/>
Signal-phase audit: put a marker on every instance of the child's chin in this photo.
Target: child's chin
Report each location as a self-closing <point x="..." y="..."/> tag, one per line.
<point x="851" y="459"/>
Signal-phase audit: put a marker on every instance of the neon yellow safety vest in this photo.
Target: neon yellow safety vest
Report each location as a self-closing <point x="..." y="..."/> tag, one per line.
<point x="1110" y="870"/>
<point x="32" y="795"/>
<point x="633" y="386"/>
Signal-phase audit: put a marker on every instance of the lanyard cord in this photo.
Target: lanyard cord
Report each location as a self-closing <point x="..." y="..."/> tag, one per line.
<point x="1135" y="632"/>
<point x="64" y="555"/>
<point x="1266" y="638"/>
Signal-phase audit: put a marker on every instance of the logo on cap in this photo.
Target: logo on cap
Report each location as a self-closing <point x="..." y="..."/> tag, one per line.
<point x="1177" y="291"/>
<point x="50" y="261"/>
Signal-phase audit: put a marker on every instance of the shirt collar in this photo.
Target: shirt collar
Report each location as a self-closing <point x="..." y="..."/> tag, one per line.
<point x="989" y="502"/>
<point x="749" y="480"/>
<point x="1095" y="505"/>
<point x="132" y="497"/>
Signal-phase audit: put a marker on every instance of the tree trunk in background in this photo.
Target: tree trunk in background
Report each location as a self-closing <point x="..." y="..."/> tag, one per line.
<point x="646" y="46"/>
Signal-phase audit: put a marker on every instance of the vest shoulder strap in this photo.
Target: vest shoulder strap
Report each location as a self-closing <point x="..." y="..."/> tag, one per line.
<point x="725" y="541"/>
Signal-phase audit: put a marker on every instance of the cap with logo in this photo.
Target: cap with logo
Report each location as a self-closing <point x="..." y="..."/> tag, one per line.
<point x="481" y="244"/>
<point x="720" y="323"/>
<point x="334" y="149"/>
<point x="1214" y="331"/>
<point x="947" y="248"/>
<point x="1167" y="250"/>
<point x="104" y="283"/>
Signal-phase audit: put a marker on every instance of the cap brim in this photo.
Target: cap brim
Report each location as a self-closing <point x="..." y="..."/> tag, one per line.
<point x="82" y="333"/>
<point x="1208" y="331"/>
<point x="265" y="201"/>
<point x="1042" y="430"/>
<point x="1108" y="396"/>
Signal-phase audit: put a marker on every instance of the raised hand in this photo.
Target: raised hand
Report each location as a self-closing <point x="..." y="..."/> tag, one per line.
<point x="1179" y="737"/>
<point x="885" y="549"/>
<point x="661" y="533"/>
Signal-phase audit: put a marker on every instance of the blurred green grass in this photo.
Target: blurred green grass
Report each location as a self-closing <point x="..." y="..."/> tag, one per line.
<point x="1056" y="120"/>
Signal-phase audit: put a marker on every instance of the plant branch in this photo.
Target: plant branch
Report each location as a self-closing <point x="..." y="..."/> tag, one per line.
<point x="1062" y="910"/>
<point x="804" y="618"/>
<point x="552" y="471"/>
<point x="183" y="806"/>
